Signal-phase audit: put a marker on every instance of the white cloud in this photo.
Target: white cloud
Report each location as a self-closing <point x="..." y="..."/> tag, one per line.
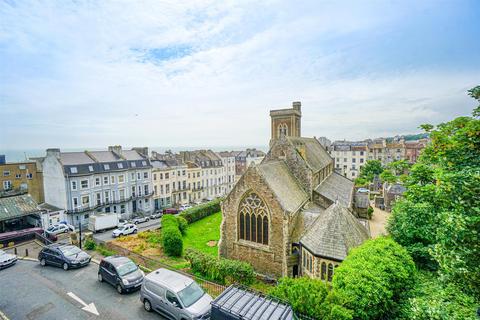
<point x="80" y="80"/>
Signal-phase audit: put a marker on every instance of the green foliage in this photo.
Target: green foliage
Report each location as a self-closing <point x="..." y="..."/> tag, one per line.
<point x="399" y="167"/>
<point x="475" y="94"/>
<point x="104" y="251"/>
<point x="305" y="295"/>
<point x="201" y="232"/>
<point x="172" y="241"/>
<point x="89" y="244"/>
<point x="388" y="176"/>
<point x="431" y="299"/>
<point x="370" y="212"/>
<point x="224" y="271"/>
<point x="182" y="225"/>
<point x="370" y="170"/>
<point x="154" y="237"/>
<point x="413" y="225"/>
<point x="201" y="211"/>
<point x="361" y="182"/>
<point x="373" y="277"/>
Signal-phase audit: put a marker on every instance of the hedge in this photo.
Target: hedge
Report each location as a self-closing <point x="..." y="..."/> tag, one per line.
<point x="373" y="278"/>
<point x="172" y="241"/>
<point x="224" y="271"/>
<point x="201" y="211"/>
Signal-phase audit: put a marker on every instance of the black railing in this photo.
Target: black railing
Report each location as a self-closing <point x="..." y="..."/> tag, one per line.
<point x="100" y="205"/>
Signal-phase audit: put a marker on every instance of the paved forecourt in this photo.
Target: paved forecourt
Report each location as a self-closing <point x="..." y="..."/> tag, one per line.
<point x="30" y="291"/>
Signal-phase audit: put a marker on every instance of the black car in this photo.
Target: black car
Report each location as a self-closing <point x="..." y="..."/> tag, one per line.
<point x="63" y="255"/>
<point x="120" y="272"/>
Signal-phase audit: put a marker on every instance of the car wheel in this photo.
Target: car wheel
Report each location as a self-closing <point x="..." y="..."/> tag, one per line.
<point x="100" y="278"/>
<point x="66" y="230"/>
<point x="65" y="266"/>
<point x="147" y="305"/>
<point x="136" y="222"/>
<point x="135" y="231"/>
<point x="43" y="262"/>
<point x="119" y="289"/>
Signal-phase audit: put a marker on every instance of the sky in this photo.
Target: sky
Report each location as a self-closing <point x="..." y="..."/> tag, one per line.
<point x="77" y="74"/>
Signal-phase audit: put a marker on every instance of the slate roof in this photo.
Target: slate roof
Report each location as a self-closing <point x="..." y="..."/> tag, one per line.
<point x="276" y="174"/>
<point x="334" y="233"/>
<point x="104" y="156"/>
<point x="316" y="156"/>
<point x="72" y="158"/>
<point x="336" y="187"/>
<point x="305" y="220"/>
<point x="17" y="206"/>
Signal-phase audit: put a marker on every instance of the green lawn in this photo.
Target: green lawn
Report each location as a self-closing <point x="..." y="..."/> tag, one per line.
<point x="201" y="232"/>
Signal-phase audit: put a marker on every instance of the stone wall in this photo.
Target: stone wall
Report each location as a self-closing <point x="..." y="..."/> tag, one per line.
<point x="266" y="259"/>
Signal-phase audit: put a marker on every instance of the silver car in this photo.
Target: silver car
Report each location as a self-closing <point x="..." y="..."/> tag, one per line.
<point x="174" y="296"/>
<point x="7" y="259"/>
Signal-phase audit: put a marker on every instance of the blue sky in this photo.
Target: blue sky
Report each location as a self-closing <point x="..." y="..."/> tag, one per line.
<point x="206" y="73"/>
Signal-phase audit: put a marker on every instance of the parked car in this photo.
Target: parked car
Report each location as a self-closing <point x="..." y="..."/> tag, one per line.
<point x="184" y="207"/>
<point x="7" y="259"/>
<point x="120" y="272"/>
<point x="156" y="215"/>
<point x="138" y="220"/>
<point x="63" y="255"/>
<point x="124" y="230"/>
<point x="170" y="211"/>
<point x="58" y="229"/>
<point x="174" y="296"/>
<point x="70" y="227"/>
<point x="239" y="303"/>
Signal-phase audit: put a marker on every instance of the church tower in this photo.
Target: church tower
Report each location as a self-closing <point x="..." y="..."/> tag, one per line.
<point x="286" y="122"/>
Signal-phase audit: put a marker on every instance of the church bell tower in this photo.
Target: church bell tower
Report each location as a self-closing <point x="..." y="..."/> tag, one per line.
<point x="286" y="122"/>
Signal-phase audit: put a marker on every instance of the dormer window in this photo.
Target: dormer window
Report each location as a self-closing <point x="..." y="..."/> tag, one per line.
<point x="120" y="166"/>
<point x="90" y="168"/>
<point x="73" y="170"/>
<point x="144" y="163"/>
<point x="106" y="166"/>
<point x="133" y="164"/>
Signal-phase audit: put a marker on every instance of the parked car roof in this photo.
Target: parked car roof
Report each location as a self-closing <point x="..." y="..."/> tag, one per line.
<point x="117" y="260"/>
<point x="242" y="303"/>
<point x="172" y="280"/>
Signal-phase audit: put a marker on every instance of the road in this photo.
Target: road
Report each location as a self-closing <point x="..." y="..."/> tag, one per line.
<point x="150" y="225"/>
<point x="30" y="291"/>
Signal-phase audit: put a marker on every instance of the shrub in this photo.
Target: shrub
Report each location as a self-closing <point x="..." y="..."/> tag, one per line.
<point x="305" y="295"/>
<point x="104" y="251"/>
<point x="172" y="241"/>
<point x="224" y="271"/>
<point x="369" y="212"/>
<point x="373" y="278"/>
<point x="89" y="244"/>
<point x="201" y="211"/>
<point x="182" y="225"/>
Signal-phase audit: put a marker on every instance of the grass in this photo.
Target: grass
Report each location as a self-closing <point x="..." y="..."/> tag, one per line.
<point x="201" y="232"/>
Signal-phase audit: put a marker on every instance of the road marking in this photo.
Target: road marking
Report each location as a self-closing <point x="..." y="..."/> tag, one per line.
<point x="3" y="316"/>
<point x="86" y="307"/>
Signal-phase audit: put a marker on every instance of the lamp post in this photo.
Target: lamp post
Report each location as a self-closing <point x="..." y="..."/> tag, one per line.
<point x="80" y="234"/>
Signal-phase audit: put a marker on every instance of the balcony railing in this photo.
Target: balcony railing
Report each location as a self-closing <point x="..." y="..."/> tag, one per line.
<point x="99" y="205"/>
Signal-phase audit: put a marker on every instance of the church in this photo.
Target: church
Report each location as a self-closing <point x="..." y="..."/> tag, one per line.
<point x="292" y="214"/>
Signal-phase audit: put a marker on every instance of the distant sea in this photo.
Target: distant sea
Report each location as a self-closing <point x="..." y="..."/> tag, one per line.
<point x="25" y="154"/>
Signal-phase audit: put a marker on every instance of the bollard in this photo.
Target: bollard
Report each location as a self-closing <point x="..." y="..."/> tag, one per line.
<point x="15" y="250"/>
<point x="26" y="252"/>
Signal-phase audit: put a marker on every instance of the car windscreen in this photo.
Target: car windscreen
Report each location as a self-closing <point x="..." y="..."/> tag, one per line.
<point x="70" y="251"/>
<point x="191" y="294"/>
<point x="126" y="268"/>
<point x="51" y="228"/>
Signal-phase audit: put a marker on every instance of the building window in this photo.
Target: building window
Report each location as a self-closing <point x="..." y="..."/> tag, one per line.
<point x="324" y="271"/>
<point x="112" y="178"/>
<point x="121" y="178"/>
<point x="133" y="164"/>
<point x="85" y="201"/>
<point x="145" y="175"/>
<point x="7" y="185"/>
<point x="106" y="166"/>
<point x="73" y="170"/>
<point x="107" y="197"/>
<point x="84" y="184"/>
<point x="29" y="176"/>
<point x="120" y="166"/>
<point x="74" y="185"/>
<point x="154" y="177"/>
<point x="253" y="219"/>
<point x="18" y="176"/>
<point x="105" y="180"/>
<point x="330" y="271"/>
<point x="97" y="181"/>
<point x="145" y="187"/>
<point x="75" y="202"/>
<point x="90" y="168"/>
<point x="282" y="130"/>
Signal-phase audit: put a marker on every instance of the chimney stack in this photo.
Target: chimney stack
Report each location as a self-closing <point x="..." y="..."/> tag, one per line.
<point x="116" y="149"/>
<point x="55" y="152"/>
<point x="297" y="105"/>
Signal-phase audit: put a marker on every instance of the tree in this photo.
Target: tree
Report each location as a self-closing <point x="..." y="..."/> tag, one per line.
<point x="399" y="167"/>
<point x="446" y="180"/>
<point x="388" y="176"/>
<point x="370" y="170"/>
<point x="305" y="295"/>
<point x="373" y="278"/>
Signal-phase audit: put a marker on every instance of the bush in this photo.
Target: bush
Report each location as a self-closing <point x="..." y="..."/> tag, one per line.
<point x="369" y="212"/>
<point x="104" y="251"/>
<point x="221" y="270"/>
<point x="373" y="278"/>
<point x="201" y="211"/>
<point x="172" y="241"/>
<point x="305" y="295"/>
<point x="182" y="225"/>
<point x="89" y="244"/>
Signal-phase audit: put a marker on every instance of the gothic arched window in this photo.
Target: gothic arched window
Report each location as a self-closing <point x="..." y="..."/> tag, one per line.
<point x="253" y="219"/>
<point x="324" y="270"/>
<point x="282" y="130"/>
<point x="330" y="271"/>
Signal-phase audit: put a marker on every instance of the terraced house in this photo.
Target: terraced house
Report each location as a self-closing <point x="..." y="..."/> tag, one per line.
<point x="85" y="183"/>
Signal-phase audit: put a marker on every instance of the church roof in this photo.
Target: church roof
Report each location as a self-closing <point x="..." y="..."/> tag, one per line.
<point x="336" y="187"/>
<point x="316" y="156"/>
<point x="334" y="233"/>
<point x="276" y="174"/>
<point x="305" y="220"/>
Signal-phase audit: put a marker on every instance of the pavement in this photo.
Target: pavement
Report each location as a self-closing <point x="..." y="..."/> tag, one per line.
<point x="30" y="291"/>
<point x="107" y="235"/>
<point x="378" y="222"/>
